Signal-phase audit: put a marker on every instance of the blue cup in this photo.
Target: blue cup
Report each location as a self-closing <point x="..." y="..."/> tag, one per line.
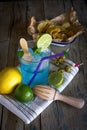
<point x="28" y="68"/>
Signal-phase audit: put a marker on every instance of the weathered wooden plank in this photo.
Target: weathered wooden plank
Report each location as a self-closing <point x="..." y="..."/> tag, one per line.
<point x="67" y="4"/>
<point x="50" y="118"/>
<point x="4" y="45"/>
<point x="77" y="88"/>
<point x="5" y="114"/>
<point x="35" y="8"/>
<point x="3" y="62"/>
<point x="53" y="8"/>
<point x="34" y="125"/>
<point x="18" y="30"/>
<point x="1" y="115"/>
<point x="10" y="121"/>
<point x="5" y="20"/>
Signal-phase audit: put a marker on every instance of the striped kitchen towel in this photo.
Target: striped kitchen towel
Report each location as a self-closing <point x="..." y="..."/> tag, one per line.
<point x="29" y="111"/>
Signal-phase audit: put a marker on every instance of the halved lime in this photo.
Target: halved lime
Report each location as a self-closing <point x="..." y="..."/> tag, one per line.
<point x="55" y="79"/>
<point x="44" y="41"/>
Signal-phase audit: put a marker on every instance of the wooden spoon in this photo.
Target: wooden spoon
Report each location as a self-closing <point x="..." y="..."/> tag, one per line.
<point x="27" y="56"/>
<point x="48" y="93"/>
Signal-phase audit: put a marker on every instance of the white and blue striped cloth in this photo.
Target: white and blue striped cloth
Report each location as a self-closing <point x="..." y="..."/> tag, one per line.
<point x="29" y="111"/>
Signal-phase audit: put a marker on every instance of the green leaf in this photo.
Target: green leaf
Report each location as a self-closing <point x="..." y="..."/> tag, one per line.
<point x="20" y="53"/>
<point x="37" y="51"/>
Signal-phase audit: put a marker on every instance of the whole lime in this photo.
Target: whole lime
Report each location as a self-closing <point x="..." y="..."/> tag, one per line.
<point x="23" y="93"/>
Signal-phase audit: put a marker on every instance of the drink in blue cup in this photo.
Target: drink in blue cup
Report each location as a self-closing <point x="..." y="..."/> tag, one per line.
<point x="28" y="68"/>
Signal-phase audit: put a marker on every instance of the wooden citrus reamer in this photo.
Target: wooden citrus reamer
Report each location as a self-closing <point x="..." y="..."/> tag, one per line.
<point x="49" y="93"/>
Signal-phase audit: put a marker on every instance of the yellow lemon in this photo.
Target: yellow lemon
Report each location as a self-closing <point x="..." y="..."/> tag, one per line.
<point x="9" y="78"/>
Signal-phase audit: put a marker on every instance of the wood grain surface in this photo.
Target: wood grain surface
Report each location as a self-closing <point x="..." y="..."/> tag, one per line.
<point x="14" y="20"/>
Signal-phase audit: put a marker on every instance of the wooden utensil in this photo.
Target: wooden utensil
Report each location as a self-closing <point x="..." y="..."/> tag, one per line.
<point x="27" y="56"/>
<point x="48" y="93"/>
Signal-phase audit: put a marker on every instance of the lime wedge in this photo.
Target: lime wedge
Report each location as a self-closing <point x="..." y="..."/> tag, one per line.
<point x="55" y="79"/>
<point x="44" y="41"/>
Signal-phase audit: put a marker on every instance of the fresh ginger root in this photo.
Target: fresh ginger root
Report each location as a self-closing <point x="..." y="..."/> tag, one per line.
<point x="31" y="28"/>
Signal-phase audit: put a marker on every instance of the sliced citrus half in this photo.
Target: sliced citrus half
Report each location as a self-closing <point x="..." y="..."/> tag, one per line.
<point x="44" y="41"/>
<point x="55" y="79"/>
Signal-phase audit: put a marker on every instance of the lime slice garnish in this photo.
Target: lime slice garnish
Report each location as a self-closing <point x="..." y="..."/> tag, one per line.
<point x="44" y="41"/>
<point x="55" y="79"/>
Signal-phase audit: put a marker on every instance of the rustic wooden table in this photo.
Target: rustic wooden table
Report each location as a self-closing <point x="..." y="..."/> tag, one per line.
<point x="14" y="19"/>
